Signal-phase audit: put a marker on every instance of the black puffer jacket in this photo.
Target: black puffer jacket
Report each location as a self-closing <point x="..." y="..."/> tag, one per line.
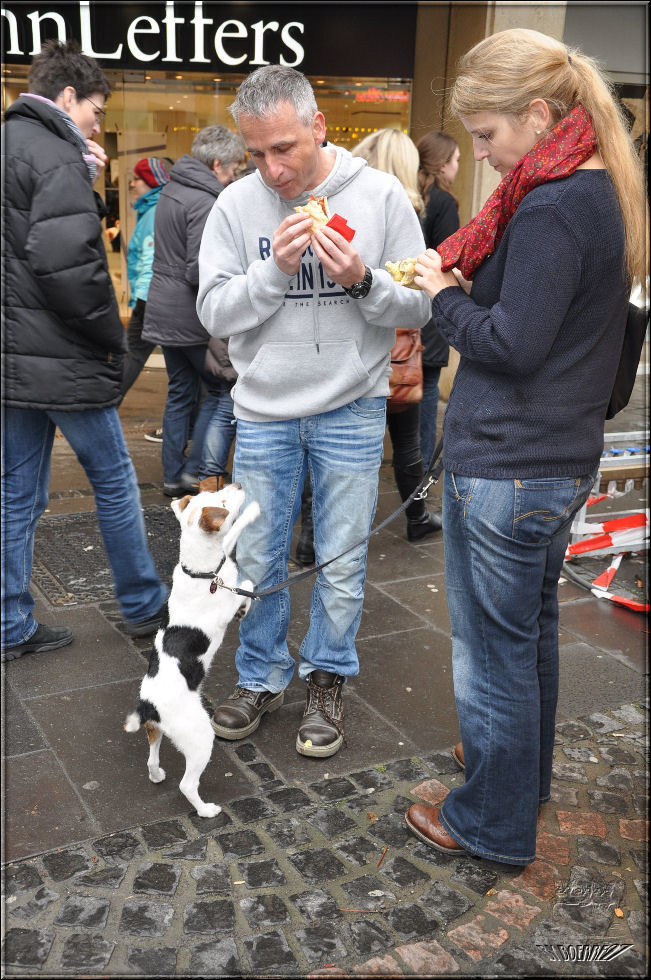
<point x="62" y="338"/>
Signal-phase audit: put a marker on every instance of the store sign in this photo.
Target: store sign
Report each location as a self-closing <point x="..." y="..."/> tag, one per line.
<point x="328" y="38"/>
<point x="382" y="95"/>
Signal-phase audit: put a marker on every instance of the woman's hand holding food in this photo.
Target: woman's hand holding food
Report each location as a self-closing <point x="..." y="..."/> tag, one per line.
<point x="429" y="275"/>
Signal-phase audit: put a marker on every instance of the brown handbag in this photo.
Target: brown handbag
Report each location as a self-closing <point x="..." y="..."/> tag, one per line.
<point x="406" y="381"/>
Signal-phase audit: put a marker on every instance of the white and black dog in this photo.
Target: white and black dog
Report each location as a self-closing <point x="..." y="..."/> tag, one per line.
<point x="198" y="614"/>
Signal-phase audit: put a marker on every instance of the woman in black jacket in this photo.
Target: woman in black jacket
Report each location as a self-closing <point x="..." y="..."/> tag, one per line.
<point x="439" y="163"/>
<point x="63" y="344"/>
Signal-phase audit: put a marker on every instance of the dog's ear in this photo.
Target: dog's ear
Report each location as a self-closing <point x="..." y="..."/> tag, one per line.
<point x="209" y="485"/>
<point x="179" y="504"/>
<point x="212" y="518"/>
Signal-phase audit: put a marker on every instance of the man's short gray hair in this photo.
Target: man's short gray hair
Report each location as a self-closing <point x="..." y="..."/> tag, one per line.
<point x="218" y="143"/>
<point x="265" y="89"/>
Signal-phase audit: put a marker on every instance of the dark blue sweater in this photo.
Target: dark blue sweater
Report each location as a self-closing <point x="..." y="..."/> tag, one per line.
<point x="539" y="337"/>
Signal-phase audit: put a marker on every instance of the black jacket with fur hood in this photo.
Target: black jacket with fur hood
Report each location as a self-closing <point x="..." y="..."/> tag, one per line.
<point x="62" y="338"/>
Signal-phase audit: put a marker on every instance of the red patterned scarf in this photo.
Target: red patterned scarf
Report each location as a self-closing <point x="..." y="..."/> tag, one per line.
<point x="569" y="144"/>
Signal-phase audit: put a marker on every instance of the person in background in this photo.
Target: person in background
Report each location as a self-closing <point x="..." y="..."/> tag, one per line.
<point x="552" y="256"/>
<point x="311" y="323"/>
<point x="171" y="318"/>
<point x="62" y="345"/>
<point x="439" y="163"/>
<point x="393" y="152"/>
<point x="149" y="177"/>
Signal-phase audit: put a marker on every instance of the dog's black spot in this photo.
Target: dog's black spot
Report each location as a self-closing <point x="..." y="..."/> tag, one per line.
<point x="187" y="644"/>
<point x="165" y="617"/>
<point x="147" y="711"/>
<point x="154" y="664"/>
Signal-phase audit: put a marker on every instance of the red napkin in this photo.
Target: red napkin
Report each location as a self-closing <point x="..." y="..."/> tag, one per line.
<point x="337" y="223"/>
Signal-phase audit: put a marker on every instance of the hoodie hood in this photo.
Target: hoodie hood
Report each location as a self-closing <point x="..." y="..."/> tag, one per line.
<point x="345" y="169"/>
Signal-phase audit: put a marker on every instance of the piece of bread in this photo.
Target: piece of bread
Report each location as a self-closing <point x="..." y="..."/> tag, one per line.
<point x="403" y="272"/>
<point x="317" y="208"/>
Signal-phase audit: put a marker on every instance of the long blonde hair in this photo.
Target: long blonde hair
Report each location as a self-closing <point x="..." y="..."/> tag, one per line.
<point x="393" y="152"/>
<point x="506" y="71"/>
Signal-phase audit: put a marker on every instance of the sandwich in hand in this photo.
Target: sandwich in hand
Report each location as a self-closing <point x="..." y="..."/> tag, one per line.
<point x="403" y="272"/>
<point x="317" y="208"/>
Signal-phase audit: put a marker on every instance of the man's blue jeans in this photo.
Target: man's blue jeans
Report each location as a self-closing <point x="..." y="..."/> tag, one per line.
<point x="343" y="450"/>
<point x="96" y="438"/>
<point x="505" y="543"/>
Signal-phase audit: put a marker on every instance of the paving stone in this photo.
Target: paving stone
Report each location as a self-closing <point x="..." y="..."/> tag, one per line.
<point x="194" y="850"/>
<point x="212" y="878"/>
<point x="287" y="833"/>
<point x="615" y="755"/>
<point x="634" y="829"/>
<point x="572" y="771"/>
<point x="379" y="966"/>
<point x="39" y="901"/>
<point x="270" y="953"/>
<point x="630" y="714"/>
<point x="317" y="865"/>
<point x="410" y="921"/>
<point x="580" y="753"/>
<point x="155" y="962"/>
<point x="478" y="938"/>
<point x="442" y="763"/>
<point x="145" y="918"/>
<point x="333" y="790"/>
<point x="164" y="834"/>
<point x="289" y="799"/>
<point x="391" y="829"/>
<point x="424" y="852"/>
<point x="572" y="730"/>
<point x="358" y="850"/>
<point x="110" y="877"/>
<point x="549" y="933"/>
<point x="601" y="723"/>
<point x="368" y="892"/>
<point x="638" y="923"/>
<point x="540" y="879"/>
<point x="403" y="873"/>
<point x="19" y="878"/>
<point x="640" y="804"/>
<point x="511" y="908"/>
<point x="640" y="857"/>
<point x="156" y="879"/>
<point x="432" y="791"/>
<point x="321" y="943"/>
<point x="118" y="848"/>
<point x="428" y="959"/>
<point x="472" y="875"/>
<point x="240" y="844"/>
<point x="521" y="961"/>
<point x="590" y="849"/>
<point x="86" y="953"/>
<point x="400" y="805"/>
<point x="264" y="910"/>
<point x="553" y="847"/>
<point x="263" y="771"/>
<point x="64" y="864"/>
<point x="216" y="959"/>
<point x="444" y="903"/>
<point x="27" y="947"/>
<point x="252" y="808"/>
<point x="581" y="823"/>
<point x="263" y="874"/>
<point x="616" y="779"/>
<point x="607" y="802"/>
<point x="331" y="821"/>
<point x="79" y="910"/>
<point x="368" y="936"/>
<point x="246" y="752"/>
<point x="406" y="770"/>
<point x="565" y="795"/>
<point x="642" y="887"/>
<point x="316" y="905"/>
<point x="589" y="900"/>
<point x="208" y="825"/>
<point x="371" y="779"/>
<point x="209" y="917"/>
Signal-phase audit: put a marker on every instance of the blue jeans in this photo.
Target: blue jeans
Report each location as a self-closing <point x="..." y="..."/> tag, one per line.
<point x="343" y="451"/>
<point x="429" y="412"/>
<point x="186" y="371"/>
<point x="96" y="438"/>
<point x="505" y="542"/>
<point x="219" y="431"/>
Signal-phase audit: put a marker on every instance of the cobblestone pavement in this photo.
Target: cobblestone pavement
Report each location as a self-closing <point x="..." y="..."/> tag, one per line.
<point x="324" y="879"/>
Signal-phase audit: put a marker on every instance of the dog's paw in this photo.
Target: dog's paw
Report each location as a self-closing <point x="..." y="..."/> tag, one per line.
<point x="157" y="775"/>
<point x="244" y="608"/>
<point x="208" y="810"/>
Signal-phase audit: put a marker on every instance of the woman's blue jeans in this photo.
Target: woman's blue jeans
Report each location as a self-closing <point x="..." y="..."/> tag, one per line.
<point x="505" y="543"/>
<point x="96" y="437"/>
<point x="343" y="450"/>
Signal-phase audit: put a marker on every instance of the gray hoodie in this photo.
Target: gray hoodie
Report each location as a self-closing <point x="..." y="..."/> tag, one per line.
<point x="300" y="344"/>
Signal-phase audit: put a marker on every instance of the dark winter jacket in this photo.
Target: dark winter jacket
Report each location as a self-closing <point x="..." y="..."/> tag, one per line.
<point x="183" y="206"/>
<point x="441" y="220"/>
<point x="62" y="338"/>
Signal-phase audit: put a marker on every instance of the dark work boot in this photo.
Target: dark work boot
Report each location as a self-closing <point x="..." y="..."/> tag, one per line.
<point x="322" y="732"/>
<point x="305" y="546"/>
<point x="426" y="523"/>
<point x="242" y="712"/>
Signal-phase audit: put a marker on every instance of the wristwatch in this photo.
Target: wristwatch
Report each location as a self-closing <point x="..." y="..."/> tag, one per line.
<point x="361" y="289"/>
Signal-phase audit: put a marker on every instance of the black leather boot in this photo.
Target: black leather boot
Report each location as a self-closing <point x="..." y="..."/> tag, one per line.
<point x="420" y="522"/>
<point x="305" y="546"/>
<point x="420" y="527"/>
<point x="322" y="730"/>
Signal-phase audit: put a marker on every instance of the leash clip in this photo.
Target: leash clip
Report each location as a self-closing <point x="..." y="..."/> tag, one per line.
<point x="422" y="493"/>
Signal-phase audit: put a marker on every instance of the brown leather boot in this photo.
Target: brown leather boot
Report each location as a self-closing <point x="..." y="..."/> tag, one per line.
<point x="322" y="733"/>
<point x="457" y="754"/>
<point x="242" y="712"/>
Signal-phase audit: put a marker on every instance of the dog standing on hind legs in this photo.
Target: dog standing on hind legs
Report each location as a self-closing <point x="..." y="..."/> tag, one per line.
<point x="197" y="618"/>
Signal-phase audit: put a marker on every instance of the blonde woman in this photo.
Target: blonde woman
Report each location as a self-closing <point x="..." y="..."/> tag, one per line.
<point x="552" y="257"/>
<point x="393" y="152"/>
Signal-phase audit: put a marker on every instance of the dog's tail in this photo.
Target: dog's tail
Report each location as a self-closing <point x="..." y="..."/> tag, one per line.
<point x="145" y="711"/>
